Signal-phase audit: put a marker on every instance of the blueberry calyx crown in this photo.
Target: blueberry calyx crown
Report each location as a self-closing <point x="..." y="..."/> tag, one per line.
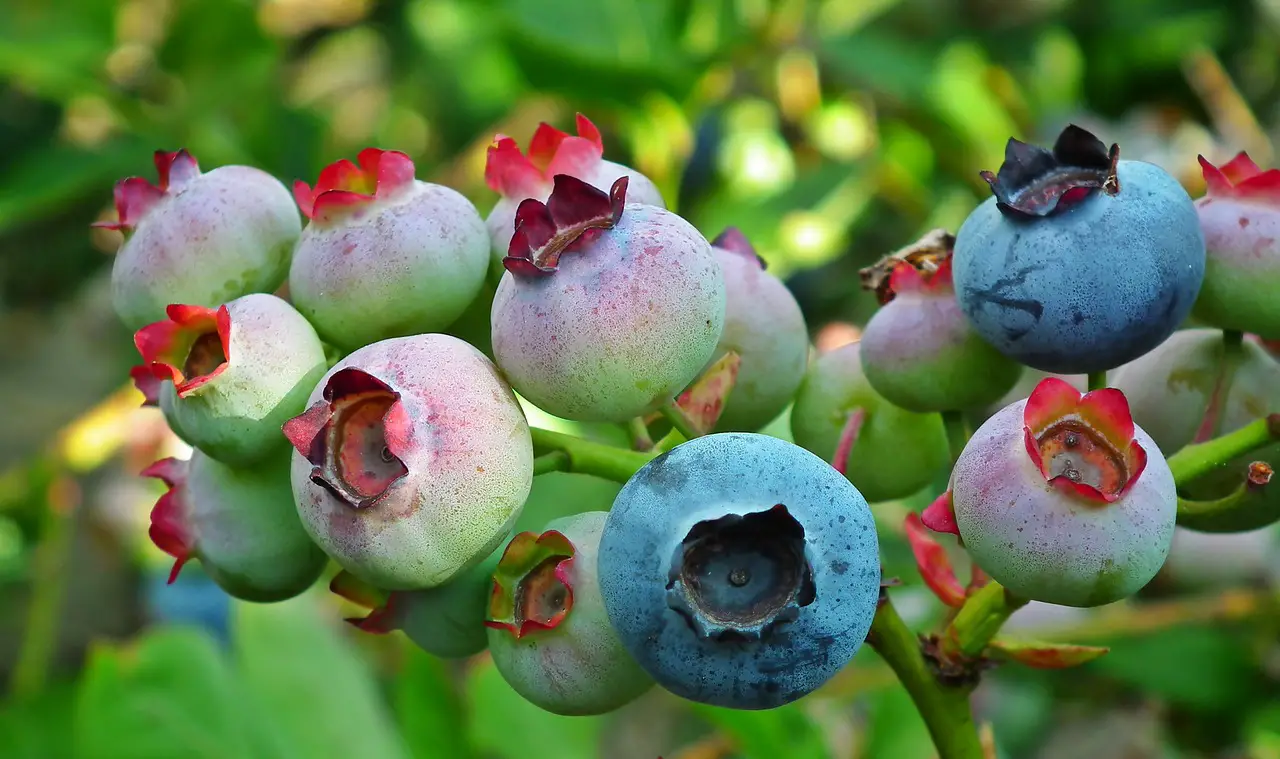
<point x="353" y="437"/>
<point x="1034" y="182"/>
<point x="926" y="258"/>
<point x="739" y="576"/>
<point x="575" y="214"/>
<point x="532" y="585"/>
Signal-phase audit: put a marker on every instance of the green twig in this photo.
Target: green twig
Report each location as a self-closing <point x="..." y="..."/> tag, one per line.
<point x="957" y="433"/>
<point x="978" y="621"/>
<point x="673" y="414"/>
<point x="555" y="461"/>
<point x="1248" y="507"/>
<point x="945" y="708"/>
<point x="587" y="457"/>
<point x="1097" y="380"/>
<point x="1199" y="459"/>
<point x="641" y="440"/>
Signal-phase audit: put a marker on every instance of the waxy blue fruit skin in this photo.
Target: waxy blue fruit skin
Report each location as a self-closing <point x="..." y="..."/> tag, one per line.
<point x="767" y="661"/>
<point x="1089" y="287"/>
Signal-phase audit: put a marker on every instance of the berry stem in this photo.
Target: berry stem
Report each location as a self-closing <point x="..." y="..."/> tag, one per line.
<point x="1199" y="459"/>
<point x="1097" y="380"/>
<point x="1232" y="355"/>
<point x="587" y="457"/>
<point x="555" y="461"/>
<point x="1248" y="507"/>
<point x="641" y="440"/>
<point x="978" y="621"/>
<point x="945" y="708"/>
<point x="957" y="433"/>
<point x="676" y="416"/>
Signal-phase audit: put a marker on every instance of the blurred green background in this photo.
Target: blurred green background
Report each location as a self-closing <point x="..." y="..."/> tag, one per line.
<point x="830" y="131"/>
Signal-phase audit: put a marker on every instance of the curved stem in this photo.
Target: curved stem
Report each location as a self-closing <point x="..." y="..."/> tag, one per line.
<point x="1245" y="508"/>
<point x="1201" y="458"/>
<point x="555" y="461"/>
<point x="945" y="708"/>
<point x="957" y="433"/>
<point x="587" y="457"/>
<point x="1097" y="380"/>
<point x="673" y="414"/>
<point x="978" y="621"/>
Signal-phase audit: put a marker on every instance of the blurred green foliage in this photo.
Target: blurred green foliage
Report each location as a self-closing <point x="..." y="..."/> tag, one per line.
<point x="830" y="131"/>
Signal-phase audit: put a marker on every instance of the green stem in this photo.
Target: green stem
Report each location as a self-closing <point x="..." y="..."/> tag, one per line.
<point x="555" y="461"/>
<point x="945" y="709"/>
<point x="1199" y="459"/>
<point x="978" y="621"/>
<point x="957" y="433"/>
<point x="641" y="440"/>
<point x="672" y="413"/>
<point x="1097" y="380"/>
<point x="587" y="457"/>
<point x="1248" y="507"/>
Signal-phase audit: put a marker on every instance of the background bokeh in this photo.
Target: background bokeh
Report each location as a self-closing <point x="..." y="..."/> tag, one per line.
<point x="830" y="131"/>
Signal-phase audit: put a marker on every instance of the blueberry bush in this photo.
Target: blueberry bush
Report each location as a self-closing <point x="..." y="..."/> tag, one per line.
<point x="497" y="379"/>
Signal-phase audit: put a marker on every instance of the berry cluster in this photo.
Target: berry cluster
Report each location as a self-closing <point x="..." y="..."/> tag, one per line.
<point x="343" y="418"/>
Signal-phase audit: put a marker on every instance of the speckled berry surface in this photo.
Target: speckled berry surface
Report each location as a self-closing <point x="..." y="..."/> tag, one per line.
<point x="259" y="377"/>
<point x="1049" y="545"/>
<point x="621" y="326"/>
<point x="411" y="462"/>
<point x="579" y="667"/>
<point x="826" y="589"/>
<point x="408" y="264"/>
<point x="206" y="239"/>
<point x="1090" y="286"/>
<point x="834" y="387"/>
<point x="763" y="324"/>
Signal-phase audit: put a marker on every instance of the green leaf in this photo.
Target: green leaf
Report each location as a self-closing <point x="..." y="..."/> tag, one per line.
<point x="311" y="683"/>
<point x="504" y="725"/>
<point x="39" y="728"/>
<point x="1214" y="668"/>
<point x="429" y="708"/>
<point x="169" y="694"/>
<point x="786" y="731"/>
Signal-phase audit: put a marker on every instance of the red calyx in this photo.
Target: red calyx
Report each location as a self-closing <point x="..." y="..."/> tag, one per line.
<point x="134" y="196"/>
<point x="933" y="563"/>
<point x="732" y="240"/>
<point x="1083" y="444"/>
<point x="1035" y="182"/>
<point x="574" y="215"/>
<point x="354" y="438"/>
<point x="344" y="187"/>
<point x="513" y="174"/>
<point x="170" y="529"/>
<point x="532" y="589"/>
<point x="190" y="348"/>
<point x="1241" y="178"/>
<point x="923" y="266"/>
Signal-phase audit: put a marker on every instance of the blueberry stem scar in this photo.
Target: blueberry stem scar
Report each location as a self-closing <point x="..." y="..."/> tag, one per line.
<point x="555" y="461"/>
<point x="945" y="708"/>
<point x="957" y="432"/>
<point x="1097" y="380"/>
<point x="673" y="414"/>
<point x="1198" y="459"/>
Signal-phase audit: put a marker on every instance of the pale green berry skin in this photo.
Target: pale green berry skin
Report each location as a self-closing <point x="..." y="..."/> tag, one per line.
<point x="1046" y="545"/>
<point x="448" y="621"/>
<point x="579" y="667"/>
<point x="763" y="324"/>
<point x="621" y="327"/>
<point x="897" y="452"/>
<point x="1242" y="268"/>
<point x="500" y="223"/>
<point x="409" y="264"/>
<point x="246" y="530"/>
<point x="470" y="468"/>
<point x="274" y="361"/>
<point x="225" y="233"/>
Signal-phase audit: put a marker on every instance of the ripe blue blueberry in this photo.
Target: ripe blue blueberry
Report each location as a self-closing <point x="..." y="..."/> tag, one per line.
<point x="740" y="570"/>
<point x="1080" y="262"/>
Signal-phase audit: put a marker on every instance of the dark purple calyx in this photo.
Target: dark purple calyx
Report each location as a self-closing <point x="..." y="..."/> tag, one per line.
<point x="732" y="240"/>
<point x="575" y="214"/>
<point x="533" y="584"/>
<point x="1035" y="182"/>
<point x="354" y="438"/>
<point x="739" y="576"/>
